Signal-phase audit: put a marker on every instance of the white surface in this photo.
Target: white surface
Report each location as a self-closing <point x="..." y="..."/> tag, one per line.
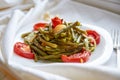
<point x="9" y="3"/>
<point x="86" y="14"/>
<point x="109" y="5"/>
<point x="72" y="72"/>
<point x="118" y="58"/>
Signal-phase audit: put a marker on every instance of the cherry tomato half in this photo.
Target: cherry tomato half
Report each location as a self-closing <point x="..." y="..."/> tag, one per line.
<point x="56" y="21"/>
<point x="39" y="25"/>
<point x="78" y="57"/>
<point x="95" y="35"/>
<point x="23" y="50"/>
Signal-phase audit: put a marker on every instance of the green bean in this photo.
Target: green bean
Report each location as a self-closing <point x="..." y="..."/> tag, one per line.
<point x="63" y="40"/>
<point x="80" y="30"/>
<point x="78" y="39"/>
<point x="94" y="44"/>
<point x="75" y="50"/>
<point x="25" y="34"/>
<point x="50" y="57"/>
<point x="50" y="28"/>
<point x="65" y="29"/>
<point x="68" y="43"/>
<point x="69" y="35"/>
<point x="53" y="52"/>
<point x="47" y="48"/>
<point x="73" y="34"/>
<point x="63" y="34"/>
<point x="36" y="58"/>
<point x="45" y="36"/>
<point x="40" y="52"/>
<point x="37" y="44"/>
<point x="55" y="60"/>
<point x="65" y="23"/>
<point x="43" y="31"/>
<point x="86" y="43"/>
<point x="92" y="49"/>
<point x="48" y="43"/>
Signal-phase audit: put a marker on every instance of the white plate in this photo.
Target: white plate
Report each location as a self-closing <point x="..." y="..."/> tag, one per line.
<point x="101" y="54"/>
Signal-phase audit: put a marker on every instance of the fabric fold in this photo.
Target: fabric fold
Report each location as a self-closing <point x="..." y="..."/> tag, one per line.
<point x="69" y="10"/>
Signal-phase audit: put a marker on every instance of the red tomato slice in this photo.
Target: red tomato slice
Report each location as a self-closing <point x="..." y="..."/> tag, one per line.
<point x="78" y="57"/>
<point x="56" y="21"/>
<point x="39" y="25"/>
<point x="23" y="50"/>
<point x="95" y="35"/>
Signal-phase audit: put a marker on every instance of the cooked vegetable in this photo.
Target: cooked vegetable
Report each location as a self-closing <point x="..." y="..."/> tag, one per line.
<point x="23" y="50"/>
<point x="38" y="51"/>
<point x="94" y="34"/>
<point x="60" y="41"/>
<point x="39" y="25"/>
<point x="56" y="21"/>
<point x="59" y="28"/>
<point x="79" y="57"/>
<point x="31" y="36"/>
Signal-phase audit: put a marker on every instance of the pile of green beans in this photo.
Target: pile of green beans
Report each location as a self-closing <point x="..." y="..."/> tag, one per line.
<point x="47" y="45"/>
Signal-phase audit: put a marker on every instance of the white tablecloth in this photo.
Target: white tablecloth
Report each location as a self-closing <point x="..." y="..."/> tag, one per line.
<point x="97" y="15"/>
